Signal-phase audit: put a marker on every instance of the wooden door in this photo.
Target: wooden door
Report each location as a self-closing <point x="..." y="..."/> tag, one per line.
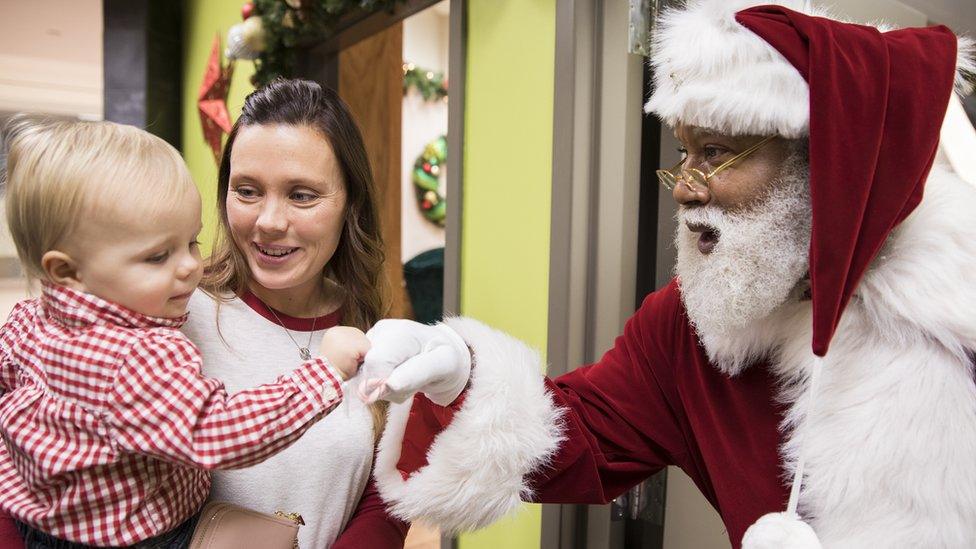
<point x="371" y="83"/>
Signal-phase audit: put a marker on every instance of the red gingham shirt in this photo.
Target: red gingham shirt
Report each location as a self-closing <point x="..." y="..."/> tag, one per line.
<point x="109" y="428"/>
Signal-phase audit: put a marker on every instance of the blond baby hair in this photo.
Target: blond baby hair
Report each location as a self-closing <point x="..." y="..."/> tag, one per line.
<point x="62" y="173"/>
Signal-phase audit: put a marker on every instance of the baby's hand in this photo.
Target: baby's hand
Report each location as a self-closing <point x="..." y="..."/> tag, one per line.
<point x="344" y="347"/>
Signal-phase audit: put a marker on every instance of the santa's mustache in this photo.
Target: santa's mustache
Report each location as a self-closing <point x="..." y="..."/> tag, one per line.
<point x="707" y="215"/>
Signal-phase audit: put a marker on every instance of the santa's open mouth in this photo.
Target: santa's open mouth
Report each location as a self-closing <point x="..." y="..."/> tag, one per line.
<point x="707" y="236"/>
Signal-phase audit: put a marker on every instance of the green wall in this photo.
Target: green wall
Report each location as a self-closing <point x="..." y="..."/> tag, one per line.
<point x="507" y="184"/>
<point x="203" y="19"/>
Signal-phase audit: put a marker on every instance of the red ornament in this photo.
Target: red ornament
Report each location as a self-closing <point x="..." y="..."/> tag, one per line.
<point x="426" y="205"/>
<point x="427" y="167"/>
<point x="247" y="10"/>
<point x="212" y="99"/>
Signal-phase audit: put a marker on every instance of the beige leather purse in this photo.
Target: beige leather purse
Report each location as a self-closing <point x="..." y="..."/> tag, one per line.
<point x="228" y="526"/>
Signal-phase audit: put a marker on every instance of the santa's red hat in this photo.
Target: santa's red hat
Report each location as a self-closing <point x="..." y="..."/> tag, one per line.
<point x="871" y="103"/>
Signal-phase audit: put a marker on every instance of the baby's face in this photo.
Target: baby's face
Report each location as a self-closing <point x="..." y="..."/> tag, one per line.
<point x="147" y="262"/>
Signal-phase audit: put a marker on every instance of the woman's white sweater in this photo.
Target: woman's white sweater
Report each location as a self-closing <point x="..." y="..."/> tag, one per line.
<point x="324" y="473"/>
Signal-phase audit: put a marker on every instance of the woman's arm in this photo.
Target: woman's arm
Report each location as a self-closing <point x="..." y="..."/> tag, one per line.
<point x="9" y="536"/>
<point x="371" y="525"/>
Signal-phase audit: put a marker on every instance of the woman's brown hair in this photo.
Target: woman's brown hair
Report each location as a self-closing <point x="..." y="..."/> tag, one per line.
<point x="357" y="264"/>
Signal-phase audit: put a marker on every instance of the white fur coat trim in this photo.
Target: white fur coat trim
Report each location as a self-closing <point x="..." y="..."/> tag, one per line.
<point x="711" y="72"/>
<point x="890" y="445"/>
<point x="507" y="427"/>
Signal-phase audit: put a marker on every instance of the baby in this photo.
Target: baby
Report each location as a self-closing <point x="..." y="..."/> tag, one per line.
<point x="109" y="430"/>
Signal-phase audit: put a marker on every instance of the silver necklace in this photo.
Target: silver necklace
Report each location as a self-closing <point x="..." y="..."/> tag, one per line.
<point x="302" y="351"/>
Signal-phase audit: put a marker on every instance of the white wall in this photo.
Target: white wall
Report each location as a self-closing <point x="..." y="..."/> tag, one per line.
<point x="51" y="57"/>
<point x="51" y="63"/>
<point x="12" y="291"/>
<point x="425" y="44"/>
<point x="690" y="522"/>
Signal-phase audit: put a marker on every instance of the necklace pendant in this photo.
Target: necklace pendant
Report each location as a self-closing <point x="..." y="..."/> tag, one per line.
<point x="305" y="353"/>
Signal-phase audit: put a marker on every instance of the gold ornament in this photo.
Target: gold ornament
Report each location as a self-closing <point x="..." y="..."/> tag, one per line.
<point x="246" y="40"/>
<point x="254" y="33"/>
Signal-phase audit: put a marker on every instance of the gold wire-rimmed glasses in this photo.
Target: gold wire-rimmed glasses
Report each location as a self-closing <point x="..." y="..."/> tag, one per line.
<point x="671" y="178"/>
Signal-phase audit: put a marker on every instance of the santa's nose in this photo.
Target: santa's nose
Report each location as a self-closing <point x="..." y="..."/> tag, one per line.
<point x="689" y="194"/>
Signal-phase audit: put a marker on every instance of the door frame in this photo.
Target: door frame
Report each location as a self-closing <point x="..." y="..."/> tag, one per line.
<point x="596" y="174"/>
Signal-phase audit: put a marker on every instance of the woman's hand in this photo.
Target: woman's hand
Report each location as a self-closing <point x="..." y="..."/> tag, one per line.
<point x="430" y="359"/>
<point x="344" y="347"/>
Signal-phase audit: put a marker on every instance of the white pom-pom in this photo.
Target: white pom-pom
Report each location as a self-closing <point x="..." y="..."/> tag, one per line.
<point x="780" y="531"/>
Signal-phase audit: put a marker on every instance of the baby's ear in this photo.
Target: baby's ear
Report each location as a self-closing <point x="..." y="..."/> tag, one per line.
<point x="60" y="269"/>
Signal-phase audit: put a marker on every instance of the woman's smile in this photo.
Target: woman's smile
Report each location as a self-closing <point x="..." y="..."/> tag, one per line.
<point x="273" y="255"/>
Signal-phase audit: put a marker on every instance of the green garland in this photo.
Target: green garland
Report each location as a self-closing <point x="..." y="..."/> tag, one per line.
<point x="290" y="24"/>
<point x="431" y="85"/>
<point x="426" y="179"/>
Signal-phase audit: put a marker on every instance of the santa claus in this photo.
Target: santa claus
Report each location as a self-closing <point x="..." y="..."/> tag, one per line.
<point x="811" y="365"/>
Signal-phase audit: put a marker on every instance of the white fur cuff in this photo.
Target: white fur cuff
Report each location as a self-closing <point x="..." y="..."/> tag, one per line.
<point x="507" y="427"/>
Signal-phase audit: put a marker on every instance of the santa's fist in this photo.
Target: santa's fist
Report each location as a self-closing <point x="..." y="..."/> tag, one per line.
<point x="780" y="531"/>
<point x="415" y="357"/>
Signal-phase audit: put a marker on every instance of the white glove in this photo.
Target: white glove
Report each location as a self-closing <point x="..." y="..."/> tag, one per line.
<point x="415" y="357"/>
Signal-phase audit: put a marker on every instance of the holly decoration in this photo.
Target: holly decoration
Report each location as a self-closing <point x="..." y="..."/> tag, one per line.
<point x="426" y="179"/>
<point x="287" y="25"/>
<point x="431" y="85"/>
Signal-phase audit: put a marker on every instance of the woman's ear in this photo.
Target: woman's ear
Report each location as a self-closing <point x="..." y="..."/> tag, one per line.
<point x="60" y="269"/>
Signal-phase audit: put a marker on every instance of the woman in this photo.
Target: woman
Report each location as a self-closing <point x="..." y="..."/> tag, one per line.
<point x="298" y="251"/>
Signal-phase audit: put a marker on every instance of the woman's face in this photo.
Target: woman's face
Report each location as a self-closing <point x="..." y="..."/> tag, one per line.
<point x="285" y="203"/>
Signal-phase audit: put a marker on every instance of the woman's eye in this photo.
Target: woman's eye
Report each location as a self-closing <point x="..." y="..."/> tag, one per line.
<point x="302" y="196"/>
<point x="245" y="192"/>
<point x="194" y="244"/>
<point x="158" y="258"/>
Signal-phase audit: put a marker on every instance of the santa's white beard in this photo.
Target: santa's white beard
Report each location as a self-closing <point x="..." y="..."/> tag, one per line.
<point x="761" y="255"/>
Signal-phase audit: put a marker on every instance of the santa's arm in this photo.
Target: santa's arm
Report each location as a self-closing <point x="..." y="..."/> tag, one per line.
<point x="515" y="435"/>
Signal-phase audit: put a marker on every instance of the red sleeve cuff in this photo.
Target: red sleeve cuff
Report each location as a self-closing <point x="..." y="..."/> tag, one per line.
<point x="426" y="421"/>
<point x="319" y="382"/>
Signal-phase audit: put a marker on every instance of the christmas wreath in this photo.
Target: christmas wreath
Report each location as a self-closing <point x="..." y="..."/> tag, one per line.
<point x="432" y="86"/>
<point x="426" y="180"/>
